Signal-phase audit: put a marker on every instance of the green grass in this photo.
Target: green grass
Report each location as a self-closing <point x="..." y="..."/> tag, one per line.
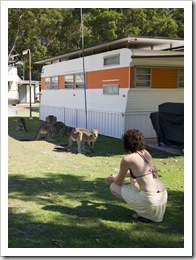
<point x="65" y="196"/>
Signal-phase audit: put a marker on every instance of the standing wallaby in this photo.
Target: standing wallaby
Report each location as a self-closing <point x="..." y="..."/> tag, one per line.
<point x="82" y="136"/>
<point x="21" y="124"/>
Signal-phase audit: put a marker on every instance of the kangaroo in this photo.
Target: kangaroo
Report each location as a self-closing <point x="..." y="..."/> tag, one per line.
<point x="60" y="129"/>
<point x="45" y="128"/>
<point x="50" y="130"/>
<point x="21" y="124"/>
<point x="81" y="136"/>
<point x="51" y="119"/>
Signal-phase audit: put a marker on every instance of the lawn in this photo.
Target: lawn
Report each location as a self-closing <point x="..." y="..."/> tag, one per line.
<point x="61" y="199"/>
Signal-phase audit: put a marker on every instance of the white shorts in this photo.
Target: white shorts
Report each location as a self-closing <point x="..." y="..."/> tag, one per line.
<point x="146" y="204"/>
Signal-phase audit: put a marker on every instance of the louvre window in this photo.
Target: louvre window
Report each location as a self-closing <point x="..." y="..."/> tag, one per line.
<point x="74" y="81"/>
<point x="79" y="80"/>
<point x="181" y="78"/>
<point x="54" y="82"/>
<point x="51" y="82"/>
<point x="69" y="81"/>
<point x="48" y="83"/>
<point x="143" y="77"/>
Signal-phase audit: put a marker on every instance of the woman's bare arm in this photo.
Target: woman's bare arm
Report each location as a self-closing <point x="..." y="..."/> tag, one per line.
<point x="123" y="172"/>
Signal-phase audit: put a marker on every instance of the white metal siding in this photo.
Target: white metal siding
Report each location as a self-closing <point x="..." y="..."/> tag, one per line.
<point x="95" y="99"/>
<point x="158" y="62"/>
<point x="140" y="121"/>
<point x="92" y="63"/>
<point x="141" y="102"/>
<point x="45" y="111"/>
<point x="148" y="100"/>
<point x="109" y="123"/>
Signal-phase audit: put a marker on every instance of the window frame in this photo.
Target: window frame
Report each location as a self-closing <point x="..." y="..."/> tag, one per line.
<point x="74" y="84"/>
<point x="112" y="56"/>
<point x="54" y="82"/>
<point x="48" y="83"/>
<point x="136" y="81"/>
<point x="82" y="76"/>
<point x="112" y="91"/>
<point x="180" y="82"/>
<point x="70" y="85"/>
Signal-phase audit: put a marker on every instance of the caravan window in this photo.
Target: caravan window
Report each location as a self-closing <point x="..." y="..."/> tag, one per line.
<point x="79" y="80"/>
<point x="54" y="82"/>
<point x="69" y="81"/>
<point x="48" y="83"/>
<point x="51" y="83"/>
<point x="181" y="78"/>
<point x="111" y="89"/>
<point x="142" y="77"/>
<point x="111" y="60"/>
<point x="74" y="81"/>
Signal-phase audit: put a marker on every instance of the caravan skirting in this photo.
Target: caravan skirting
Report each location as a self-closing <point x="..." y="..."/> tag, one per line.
<point x="112" y="124"/>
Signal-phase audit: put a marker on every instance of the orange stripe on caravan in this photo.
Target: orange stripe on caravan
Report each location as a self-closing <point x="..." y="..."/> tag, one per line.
<point x="95" y="79"/>
<point x="164" y="78"/>
<point x="61" y="81"/>
<point x="43" y="83"/>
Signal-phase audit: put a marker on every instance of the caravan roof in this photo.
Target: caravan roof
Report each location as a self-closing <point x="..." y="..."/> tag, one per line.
<point x="145" y="43"/>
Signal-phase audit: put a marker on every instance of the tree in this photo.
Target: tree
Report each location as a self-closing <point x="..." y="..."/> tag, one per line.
<point x="53" y="31"/>
<point x="178" y="16"/>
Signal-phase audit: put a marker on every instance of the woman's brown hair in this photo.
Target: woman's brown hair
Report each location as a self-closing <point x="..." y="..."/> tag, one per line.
<point x="133" y="141"/>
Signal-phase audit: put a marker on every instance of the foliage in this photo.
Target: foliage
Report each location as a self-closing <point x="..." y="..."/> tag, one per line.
<point x="61" y="199"/>
<point x="52" y="31"/>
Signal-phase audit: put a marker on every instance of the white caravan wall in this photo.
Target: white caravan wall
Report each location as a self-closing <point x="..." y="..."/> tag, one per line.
<point x="95" y="99"/>
<point x="92" y="63"/>
<point x="140" y="104"/>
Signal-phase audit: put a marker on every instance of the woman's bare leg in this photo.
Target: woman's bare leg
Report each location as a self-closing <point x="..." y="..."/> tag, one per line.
<point x="116" y="190"/>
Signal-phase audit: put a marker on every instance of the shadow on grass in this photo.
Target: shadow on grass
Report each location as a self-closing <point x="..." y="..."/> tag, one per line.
<point x="31" y="125"/>
<point x="95" y="219"/>
<point x="104" y="146"/>
<point x="108" y="146"/>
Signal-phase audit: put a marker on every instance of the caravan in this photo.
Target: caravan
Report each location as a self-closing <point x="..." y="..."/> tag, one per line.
<point x="126" y="80"/>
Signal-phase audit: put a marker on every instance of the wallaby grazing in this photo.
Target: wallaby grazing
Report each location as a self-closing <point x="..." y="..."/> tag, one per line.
<point x="50" y="130"/>
<point x="44" y="129"/>
<point x="82" y="136"/>
<point x="51" y="119"/>
<point x="21" y="124"/>
<point x="47" y="129"/>
<point x="60" y="129"/>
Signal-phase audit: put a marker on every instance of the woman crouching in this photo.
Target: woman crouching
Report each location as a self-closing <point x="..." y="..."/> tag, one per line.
<point x="146" y="195"/>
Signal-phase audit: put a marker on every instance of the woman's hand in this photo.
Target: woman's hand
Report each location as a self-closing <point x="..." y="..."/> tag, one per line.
<point x="111" y="178"/>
